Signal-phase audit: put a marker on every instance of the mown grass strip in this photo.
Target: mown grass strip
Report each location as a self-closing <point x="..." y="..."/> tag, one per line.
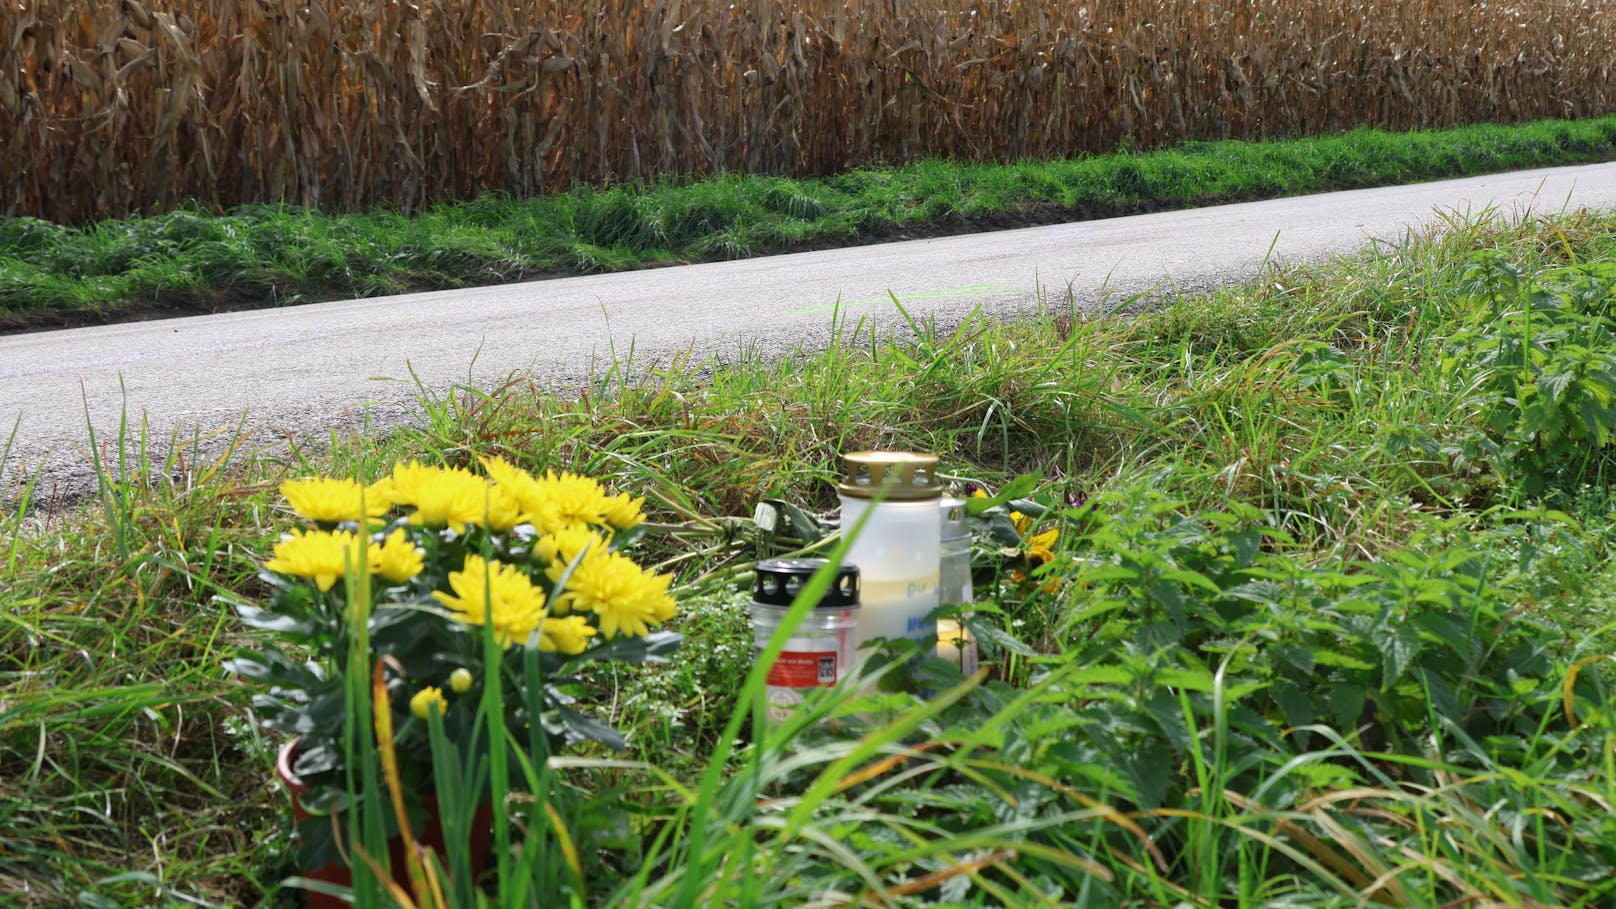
<point x="258" y="256"/>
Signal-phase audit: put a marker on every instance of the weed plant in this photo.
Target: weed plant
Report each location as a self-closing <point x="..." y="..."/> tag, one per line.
<point x="1328" y="622"/>
<point x="258" y="256"/>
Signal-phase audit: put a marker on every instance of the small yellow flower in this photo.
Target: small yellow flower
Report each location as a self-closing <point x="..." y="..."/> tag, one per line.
<point x="460" y="680"/>
<point x="488" y="590"/>
<point x="325" y="500"/>
<point x="398" y="558"/>
<point x="322" y="555"/>
<point x="622" y="596"/>
<point x="426" y="700"/>
<point x="569" y="635"/>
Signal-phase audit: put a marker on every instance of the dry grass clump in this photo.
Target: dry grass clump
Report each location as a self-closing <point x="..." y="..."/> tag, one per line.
<point x="116" y="107"/>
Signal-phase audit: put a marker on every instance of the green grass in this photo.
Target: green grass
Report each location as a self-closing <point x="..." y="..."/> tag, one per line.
<point x="257" y="256"/>
<point x="1221" y="705"/>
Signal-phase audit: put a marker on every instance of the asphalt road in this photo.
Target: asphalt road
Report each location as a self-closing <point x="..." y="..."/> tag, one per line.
<point x="299" y="372"/>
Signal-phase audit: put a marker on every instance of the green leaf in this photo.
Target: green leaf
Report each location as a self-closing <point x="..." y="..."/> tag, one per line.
<point x="1021" y="487"/>
<point x="1190" y="578"/>
<point x="1398" y="647"/>
<point x="653" y="648"/>
<point x="1294" y="703"/>
<point x="275" y="622"/>
<point x="991" y="633"/>
<point x="1345" y="703"/>
<point x="1299" y="658"/>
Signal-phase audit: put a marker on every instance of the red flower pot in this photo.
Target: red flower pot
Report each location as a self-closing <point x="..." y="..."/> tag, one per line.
<point x="430" y="836"/>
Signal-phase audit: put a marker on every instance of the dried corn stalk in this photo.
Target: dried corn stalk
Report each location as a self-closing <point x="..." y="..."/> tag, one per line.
<point x="118" y="106"/>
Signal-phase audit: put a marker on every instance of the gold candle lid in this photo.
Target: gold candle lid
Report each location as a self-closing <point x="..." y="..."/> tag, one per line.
<point x="905" y="475"/>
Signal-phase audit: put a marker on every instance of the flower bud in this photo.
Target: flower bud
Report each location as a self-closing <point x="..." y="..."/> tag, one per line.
<point x="426" y="700"/>
<point x="460" y="680"/>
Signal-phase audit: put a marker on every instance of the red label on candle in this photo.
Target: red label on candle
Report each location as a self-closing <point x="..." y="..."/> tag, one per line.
<point x="815" y="669"/>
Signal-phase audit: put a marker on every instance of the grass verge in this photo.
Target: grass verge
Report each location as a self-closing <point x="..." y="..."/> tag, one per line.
<point x="188" y="261"/>
<point x="1323" y="623"/>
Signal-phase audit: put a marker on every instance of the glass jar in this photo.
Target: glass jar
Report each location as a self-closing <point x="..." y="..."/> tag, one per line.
<point x="821" y="649"/>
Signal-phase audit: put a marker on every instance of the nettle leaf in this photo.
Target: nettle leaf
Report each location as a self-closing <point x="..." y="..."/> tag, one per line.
<point x="1246" y="544"/>
<point x="1450" y="632"/>
<point x="1327" y="657"/>
<point x="991" y="633"/>
<point x="1197" y="678"/>
<point x="1345" y="704"/>
<point x="1165" y="709"/>
<point x="1294" y="703"/>
<point x="1189" y="578"/>
<point x="1098" y="675"/>
<point x="1555" y="383"/>
<point x="1148" y="766"/>
<point x="1398" y="648"/>
<point x="1299" y="658"/>
<point x="1267" y="593"/>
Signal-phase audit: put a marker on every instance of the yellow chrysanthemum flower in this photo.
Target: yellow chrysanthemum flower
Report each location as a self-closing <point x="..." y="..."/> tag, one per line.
<point x="398" y="558"/>
<point x="564" y="545"/>
<point x="625" y="598"/>
<point x="515" y="480"/>
<point x="569" y="635"/>
<point x="322" y="555"/>
<point x="489" y="590"/>
<point x="623" y="512"/>
<point x="326" y="500"/>
<point x="447" y="497"/>
<point x="564" y="501"/>
<point x="504" y="510"/>
<point x="567" y="501"/>
<point x="427" y="699"/>
<point x="407" y="479"/>
<point x="558" y="550"/>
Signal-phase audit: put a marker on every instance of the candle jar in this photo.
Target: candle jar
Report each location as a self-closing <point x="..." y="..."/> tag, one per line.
<point x="955" y="643"/>
<point x="898" y="548"/>
<point x="821" y="649"/>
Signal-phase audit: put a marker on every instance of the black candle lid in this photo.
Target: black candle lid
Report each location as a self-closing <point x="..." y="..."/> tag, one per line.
<point x="780" y="580"/>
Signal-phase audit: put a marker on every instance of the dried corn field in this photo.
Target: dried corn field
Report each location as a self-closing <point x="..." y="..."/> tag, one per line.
<point x="111" y="107"/>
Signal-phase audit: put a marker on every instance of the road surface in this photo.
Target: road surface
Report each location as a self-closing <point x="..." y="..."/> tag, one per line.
<point x="302" y="371"/>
